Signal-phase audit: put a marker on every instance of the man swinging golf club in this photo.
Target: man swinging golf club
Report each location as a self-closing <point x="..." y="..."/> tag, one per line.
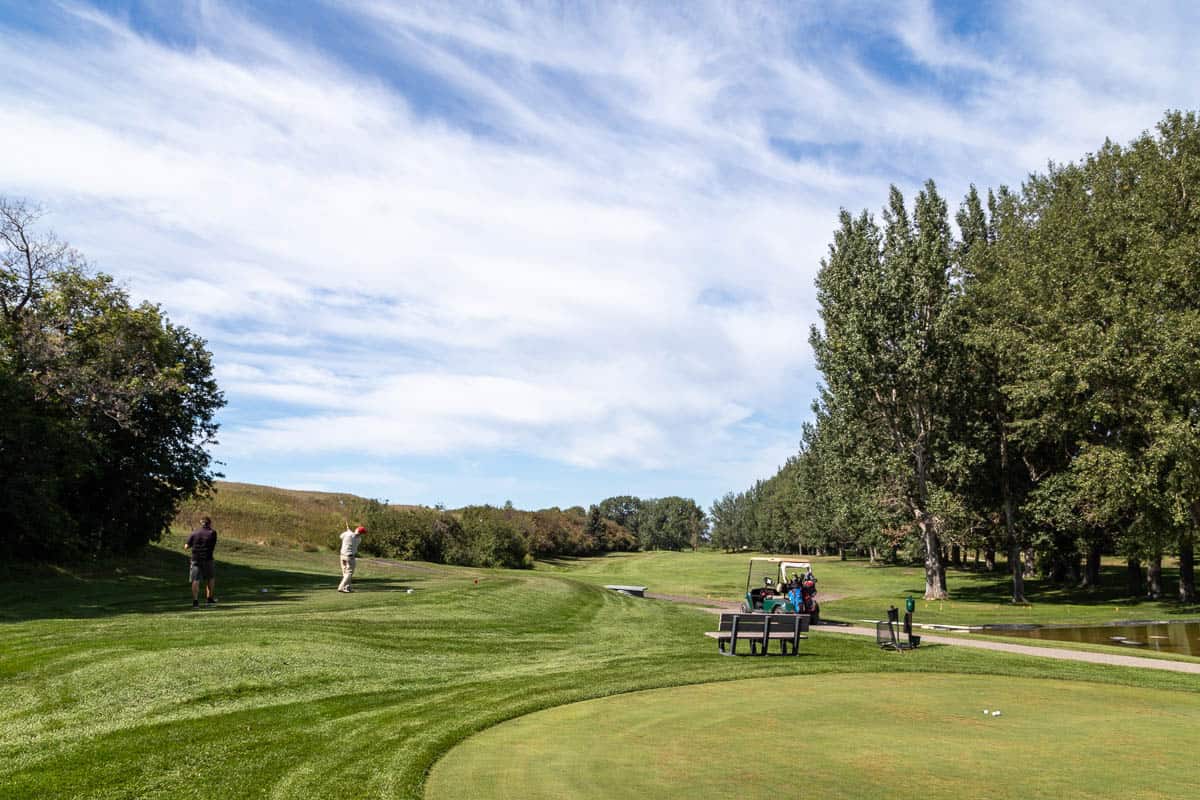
<point x="350" y="542"/>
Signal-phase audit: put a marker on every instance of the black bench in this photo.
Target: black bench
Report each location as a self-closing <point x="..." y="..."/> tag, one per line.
<point x="760" y="630"/>
<point x="887" y="634"/>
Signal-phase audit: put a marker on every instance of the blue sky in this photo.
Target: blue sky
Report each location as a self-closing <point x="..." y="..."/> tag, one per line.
<point x="456" y="253"/>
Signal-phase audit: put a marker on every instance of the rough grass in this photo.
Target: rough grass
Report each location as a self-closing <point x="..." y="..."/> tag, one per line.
<point x="272" y="516"/>
<point x="841" y="736"/>
<point x="864" y="591"/>
<point x="115" y="688"/>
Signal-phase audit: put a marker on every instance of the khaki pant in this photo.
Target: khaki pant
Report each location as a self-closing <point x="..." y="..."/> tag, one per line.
<point x="347" y="571"/>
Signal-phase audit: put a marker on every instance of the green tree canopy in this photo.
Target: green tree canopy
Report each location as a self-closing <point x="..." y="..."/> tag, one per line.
<point x="108" y="406"/>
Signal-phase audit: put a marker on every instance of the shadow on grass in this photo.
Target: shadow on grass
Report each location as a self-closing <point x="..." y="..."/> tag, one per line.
<point x="155" y="581"/>
<point x="995" y="588"/>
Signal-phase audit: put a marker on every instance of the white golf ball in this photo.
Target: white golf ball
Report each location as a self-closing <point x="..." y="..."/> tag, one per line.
<point x="986" y="711"/>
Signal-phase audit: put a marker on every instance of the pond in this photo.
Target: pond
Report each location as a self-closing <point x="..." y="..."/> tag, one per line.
<point x="1167" y="637"/>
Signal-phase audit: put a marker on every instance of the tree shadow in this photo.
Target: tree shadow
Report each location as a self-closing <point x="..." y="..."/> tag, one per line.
<point x="155" y="581"/>
<point x="996" y="588"/>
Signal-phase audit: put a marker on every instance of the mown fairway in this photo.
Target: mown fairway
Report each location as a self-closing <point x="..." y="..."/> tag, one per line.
<point x="115" y="688"/>
<point x="855" y="589"/>
<point x="841" y="736"/>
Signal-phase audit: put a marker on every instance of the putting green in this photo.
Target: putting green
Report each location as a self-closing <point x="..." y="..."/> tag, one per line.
<point x="841" y="736"/>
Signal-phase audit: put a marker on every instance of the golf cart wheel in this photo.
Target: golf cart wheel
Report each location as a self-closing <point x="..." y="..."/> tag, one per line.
<point x="746" y="607"/>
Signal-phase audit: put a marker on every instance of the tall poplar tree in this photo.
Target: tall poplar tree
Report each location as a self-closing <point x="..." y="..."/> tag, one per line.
<point x="888" y="347"/>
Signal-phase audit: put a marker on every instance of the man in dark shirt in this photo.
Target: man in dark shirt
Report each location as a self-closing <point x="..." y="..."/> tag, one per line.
<point x="201" y="544"/>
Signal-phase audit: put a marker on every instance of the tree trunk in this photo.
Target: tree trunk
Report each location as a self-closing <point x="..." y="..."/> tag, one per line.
<point x="1075" y="568"/>
<point x="1018" y="573"/>
<point x="935" y="571"/>
<point x="989" y="558"/>
<point x="956" y="555"/>
<point x="1154" y="577"/>
<point x="872" y="553"/>
<point x="1010" y="528"/>
<point x="841" y="553"/>
<point x="1091" y="571"/>
<point x="1133" y="574"/>
<point x="1187" y="570"/>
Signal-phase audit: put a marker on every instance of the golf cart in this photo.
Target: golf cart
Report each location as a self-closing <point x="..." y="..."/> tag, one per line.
<point x="779" y="586"/>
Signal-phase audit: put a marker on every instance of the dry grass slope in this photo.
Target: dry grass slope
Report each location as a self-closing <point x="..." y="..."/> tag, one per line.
<point x="272" y="516"/>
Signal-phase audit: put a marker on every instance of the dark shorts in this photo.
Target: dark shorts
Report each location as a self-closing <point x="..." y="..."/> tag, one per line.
<point x="202" y="571"/>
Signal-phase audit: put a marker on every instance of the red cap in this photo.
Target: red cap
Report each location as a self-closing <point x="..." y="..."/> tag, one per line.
<point x="361" y="529"/>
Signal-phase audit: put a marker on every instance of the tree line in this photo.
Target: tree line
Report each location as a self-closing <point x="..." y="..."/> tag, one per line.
<point x="488" y="536"/>
<point x="1029" y="384"/>
<point x="107" y="406"/>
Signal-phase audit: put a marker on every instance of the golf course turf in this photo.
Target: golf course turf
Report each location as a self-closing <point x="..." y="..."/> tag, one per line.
<point x="115" y="688"/>
<point x="841" y="736"/>
<point x="855" y="589"/>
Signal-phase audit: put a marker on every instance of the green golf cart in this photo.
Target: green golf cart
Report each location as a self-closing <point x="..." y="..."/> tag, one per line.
<point x="779" y="586"/>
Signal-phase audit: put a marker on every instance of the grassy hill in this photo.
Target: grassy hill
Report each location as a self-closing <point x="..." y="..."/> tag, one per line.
<point x="271" y="516"/>
<point x="310" y="521"/>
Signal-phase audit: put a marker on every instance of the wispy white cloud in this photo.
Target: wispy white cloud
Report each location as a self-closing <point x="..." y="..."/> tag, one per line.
<point x="501" y="227"/>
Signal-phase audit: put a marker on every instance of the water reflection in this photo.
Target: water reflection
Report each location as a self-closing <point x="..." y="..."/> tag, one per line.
<point x="1166" y="637"/>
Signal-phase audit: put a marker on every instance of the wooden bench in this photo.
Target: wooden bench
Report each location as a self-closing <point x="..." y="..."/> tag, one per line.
<point x="760" y="630"/>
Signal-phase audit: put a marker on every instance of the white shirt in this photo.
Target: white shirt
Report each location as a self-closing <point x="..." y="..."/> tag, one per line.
<point x="350" y="541"/>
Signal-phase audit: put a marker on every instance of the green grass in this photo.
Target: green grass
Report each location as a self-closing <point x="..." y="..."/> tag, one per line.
<point x="841" y="736"/>
<point x="115" y="688"/>
<point x="864" y="591"/>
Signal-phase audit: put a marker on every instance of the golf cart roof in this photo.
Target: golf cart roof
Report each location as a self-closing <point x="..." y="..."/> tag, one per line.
<point x="782" y="561"/>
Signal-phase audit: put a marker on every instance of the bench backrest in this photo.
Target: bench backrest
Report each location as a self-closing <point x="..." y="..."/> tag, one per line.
<point x="747" y="623"/>
<point x="784" y="623"/>
<point x="775" y="623"/>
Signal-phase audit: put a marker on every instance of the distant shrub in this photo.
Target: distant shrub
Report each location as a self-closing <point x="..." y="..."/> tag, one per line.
<point x="479" y="536"/>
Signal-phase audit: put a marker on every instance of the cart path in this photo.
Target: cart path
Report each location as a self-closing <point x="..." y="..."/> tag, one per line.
<point x="1112" y="659"/>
